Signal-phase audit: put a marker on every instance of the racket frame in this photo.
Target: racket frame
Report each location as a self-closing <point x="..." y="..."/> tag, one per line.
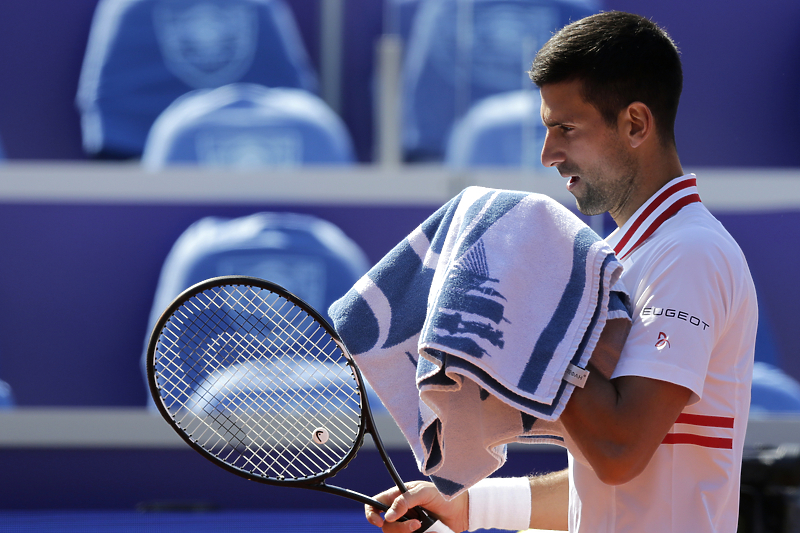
<point x="367" y="424"/>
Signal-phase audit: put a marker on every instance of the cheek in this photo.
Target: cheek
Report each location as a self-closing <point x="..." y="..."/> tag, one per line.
<point x="607" y="158"/>
<point x="588" y="158"/>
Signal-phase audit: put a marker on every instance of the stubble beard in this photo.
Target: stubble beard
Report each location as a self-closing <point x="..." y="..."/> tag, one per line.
<point x="603" y="193"/>
<point x="594" y="201"/>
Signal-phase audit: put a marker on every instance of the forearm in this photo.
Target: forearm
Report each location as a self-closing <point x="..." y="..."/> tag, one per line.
<point x="550" y="501"/>
<point x="595" y="420"/>
<point x="618" y="424"/>
<point x="539" y="502"/>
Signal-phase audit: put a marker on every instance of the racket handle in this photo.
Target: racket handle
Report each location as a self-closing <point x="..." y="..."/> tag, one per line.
<point x="429" y="524"/>
<point x="436" y="527"/>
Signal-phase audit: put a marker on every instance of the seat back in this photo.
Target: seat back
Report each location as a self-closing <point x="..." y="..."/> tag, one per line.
<point x="461" y="51"/>
<point x="503" y="130"/>
<point x="248" y="126"/>
<point x="773" y="390"/>
<point x="399" y="17"/>
<point x="6" y="396"/>
<point x="310" y="257"/>
<point x="143" y="54"/>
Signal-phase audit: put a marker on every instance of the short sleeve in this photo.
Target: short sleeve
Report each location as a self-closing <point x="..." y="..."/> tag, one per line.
<point x="679" y="293"/>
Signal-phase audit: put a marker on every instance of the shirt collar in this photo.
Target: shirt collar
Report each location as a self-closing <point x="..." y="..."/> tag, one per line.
<point x="670" y="199"/>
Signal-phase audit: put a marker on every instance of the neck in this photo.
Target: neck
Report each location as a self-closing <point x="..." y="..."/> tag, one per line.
<point x="654" y="172"/>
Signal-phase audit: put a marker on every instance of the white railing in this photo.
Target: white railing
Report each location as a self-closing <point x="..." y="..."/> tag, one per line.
<point x="745" y="190"/>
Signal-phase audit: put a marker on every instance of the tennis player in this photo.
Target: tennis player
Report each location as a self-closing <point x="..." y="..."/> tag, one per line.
<point x="658" y="447"/>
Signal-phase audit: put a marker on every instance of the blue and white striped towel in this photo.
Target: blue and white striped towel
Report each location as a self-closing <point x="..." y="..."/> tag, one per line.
<point x="466" y="328"/>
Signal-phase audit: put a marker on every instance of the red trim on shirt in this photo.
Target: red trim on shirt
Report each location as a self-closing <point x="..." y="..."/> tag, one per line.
<point x="706" y="420"/>
<point x="671" y="210"/>
<point x="698" y="440"/>
<point x="691" y="182"/>
<point x="724" y="422"/>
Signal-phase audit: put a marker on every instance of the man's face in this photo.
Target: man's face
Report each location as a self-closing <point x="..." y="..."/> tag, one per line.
<point x="586" y="150"/>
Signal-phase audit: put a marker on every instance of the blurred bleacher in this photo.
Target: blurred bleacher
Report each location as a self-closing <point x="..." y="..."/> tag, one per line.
<point x="741" y="65"/>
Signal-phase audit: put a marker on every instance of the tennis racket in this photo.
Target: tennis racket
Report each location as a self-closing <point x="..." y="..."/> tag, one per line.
<point x="260" y="384"/>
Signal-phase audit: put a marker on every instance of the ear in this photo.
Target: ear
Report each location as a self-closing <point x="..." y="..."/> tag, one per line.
<point x="638" y="124"/>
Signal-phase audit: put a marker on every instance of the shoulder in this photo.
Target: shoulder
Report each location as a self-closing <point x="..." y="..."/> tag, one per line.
<point x="694" y="236"/>
<point x="692" y="255"/>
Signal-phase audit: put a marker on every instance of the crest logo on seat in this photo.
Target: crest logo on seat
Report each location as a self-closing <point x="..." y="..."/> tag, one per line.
<point x="206" y="43"/>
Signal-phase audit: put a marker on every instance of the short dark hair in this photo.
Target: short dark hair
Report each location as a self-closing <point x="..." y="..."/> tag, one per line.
<point x="620" y="58"/>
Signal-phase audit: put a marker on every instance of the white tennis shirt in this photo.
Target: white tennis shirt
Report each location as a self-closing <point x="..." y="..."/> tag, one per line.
<point x="694" y="324"/>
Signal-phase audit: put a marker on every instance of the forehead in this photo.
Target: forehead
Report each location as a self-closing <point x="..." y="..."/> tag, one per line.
<point x="563" y="102"/>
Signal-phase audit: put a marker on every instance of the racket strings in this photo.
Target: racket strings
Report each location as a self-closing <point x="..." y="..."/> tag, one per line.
<point x="251" y="377"/>
<point x="250" y="421"/>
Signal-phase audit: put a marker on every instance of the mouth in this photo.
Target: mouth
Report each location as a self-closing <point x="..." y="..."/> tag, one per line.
<point x="572" y="181"/>
<point x="566" y="172"/>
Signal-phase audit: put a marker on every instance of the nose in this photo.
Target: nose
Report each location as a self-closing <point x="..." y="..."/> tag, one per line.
<point x="552" y="154"/>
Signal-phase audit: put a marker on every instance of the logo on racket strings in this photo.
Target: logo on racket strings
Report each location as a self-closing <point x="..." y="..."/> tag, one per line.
<point x="320" y="435"/>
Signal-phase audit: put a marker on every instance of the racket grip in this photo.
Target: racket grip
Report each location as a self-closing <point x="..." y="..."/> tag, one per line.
<point x="436" y="527"/>
<point x="429" y="524"/>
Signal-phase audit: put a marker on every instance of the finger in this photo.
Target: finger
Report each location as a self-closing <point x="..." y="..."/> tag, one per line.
<point x="386" y="497"/>
<point x="419" y="495"/>
<point x="398" y="508"/>
<point x="409" y="526"/>
<point x="373" y="516"/>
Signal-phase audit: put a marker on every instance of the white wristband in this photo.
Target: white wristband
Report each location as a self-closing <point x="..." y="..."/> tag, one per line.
<point x="500" y="503"/>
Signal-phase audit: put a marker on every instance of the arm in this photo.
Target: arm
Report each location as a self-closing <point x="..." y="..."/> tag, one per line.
<point x="549" y="503"/>
<point x="618" y="424"/>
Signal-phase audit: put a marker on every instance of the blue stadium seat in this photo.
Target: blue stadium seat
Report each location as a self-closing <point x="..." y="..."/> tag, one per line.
<point x="309" y="256"/>
<point x="504" y="130"/>
<point x="461" y="51"/>
<point x="766" y="344"/>
<point x="6" y="396"/>
<point x="143" y="54"/>
<point x="245" y="125"/>
<point x="773" y="391"/>
<point x="2" y="153"/>
<point x="399" y="17"/>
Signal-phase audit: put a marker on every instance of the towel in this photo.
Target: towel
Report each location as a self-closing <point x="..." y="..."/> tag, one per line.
<point x="469" y="328"/>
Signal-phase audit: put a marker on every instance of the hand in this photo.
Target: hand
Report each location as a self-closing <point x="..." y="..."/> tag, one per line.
<point x="453" y="513"/>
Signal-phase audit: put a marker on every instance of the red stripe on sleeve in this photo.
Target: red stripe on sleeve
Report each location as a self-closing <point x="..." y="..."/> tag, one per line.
<point x="706" y="420"/>
<point x="698" y="440"/>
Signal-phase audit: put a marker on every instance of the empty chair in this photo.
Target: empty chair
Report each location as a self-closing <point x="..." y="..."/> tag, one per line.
<point x="399" y="17"/>
<point x="309" y="256"/>
<point x="461" y="51"/>
<point x="766" y="343"/>
<point x="773" y="391"/>
<point x="248" y="126"/>
<point x="503" y="130"/>
<point x="6" y="396"/>
<point x="143" y="54"/>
